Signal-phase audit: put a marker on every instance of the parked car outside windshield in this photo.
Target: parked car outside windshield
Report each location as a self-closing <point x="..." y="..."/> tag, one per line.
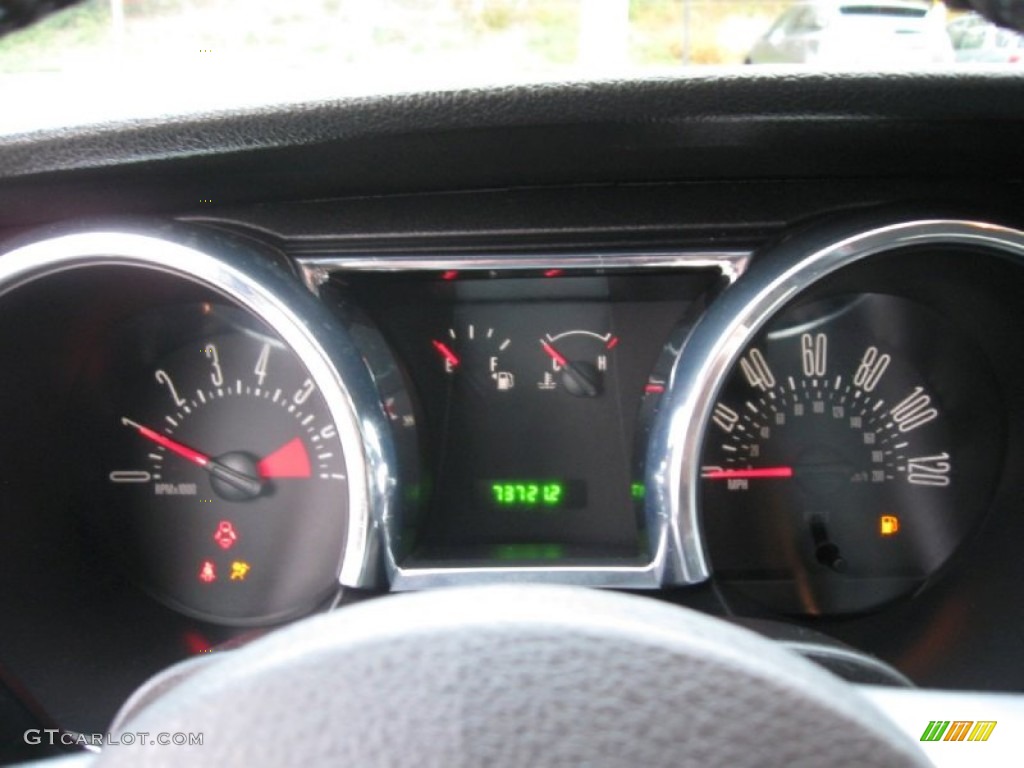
<point x="858" y="34"/>
<point x="975" y="39"/>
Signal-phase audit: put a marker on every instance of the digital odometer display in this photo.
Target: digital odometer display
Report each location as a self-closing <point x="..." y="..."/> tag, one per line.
<point x="529" y="390"/>
<point x="534" y="494"/>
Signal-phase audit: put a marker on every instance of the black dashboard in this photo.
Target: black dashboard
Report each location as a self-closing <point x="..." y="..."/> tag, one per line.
<point x="747" y="344"/>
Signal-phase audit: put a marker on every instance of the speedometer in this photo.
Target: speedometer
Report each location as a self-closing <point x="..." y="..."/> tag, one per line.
<point x="833" y="429"/>
<point x="829" y="463"/>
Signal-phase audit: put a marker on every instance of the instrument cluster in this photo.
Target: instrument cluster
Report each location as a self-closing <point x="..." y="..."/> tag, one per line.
<point x="817" y="428"/>
<point x="524" y="390"/>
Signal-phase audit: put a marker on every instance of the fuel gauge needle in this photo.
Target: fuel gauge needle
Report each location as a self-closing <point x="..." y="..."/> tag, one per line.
<point x="446" y="353"/>
<point x="245" y="483"/>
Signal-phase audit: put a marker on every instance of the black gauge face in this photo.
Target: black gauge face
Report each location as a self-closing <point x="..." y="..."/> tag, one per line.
<point x="843" y="464"/>
<point x="507" y="396"/>
<point x="227" y="491"/>
<point x="527" y="391"/>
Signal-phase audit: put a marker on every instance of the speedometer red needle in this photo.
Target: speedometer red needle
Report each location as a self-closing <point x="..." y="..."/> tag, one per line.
<point x="172" y="445"/>
<point x="448" y="355"/>
<point x="554" y="354"/>
<point x="748" y="474"/>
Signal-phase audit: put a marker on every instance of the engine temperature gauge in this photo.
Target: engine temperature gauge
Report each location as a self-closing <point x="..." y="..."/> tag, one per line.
<point x="578" y="362"/>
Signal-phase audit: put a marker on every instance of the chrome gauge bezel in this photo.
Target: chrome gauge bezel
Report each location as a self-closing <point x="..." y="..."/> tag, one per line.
<point x="731" y="264"/>
<point x="279" y="300"/>
<point x="730" y="324"/>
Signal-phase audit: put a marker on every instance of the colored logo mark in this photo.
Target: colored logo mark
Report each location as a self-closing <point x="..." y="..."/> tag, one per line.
<point x="959" y="730"/>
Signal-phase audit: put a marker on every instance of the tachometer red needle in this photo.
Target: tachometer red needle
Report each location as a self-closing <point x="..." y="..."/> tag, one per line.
<point x="555" y="355"/>
<point x="172" y="445"/>
<point x="748" y="474"/>
<point x="251" y="486"/>
<point x="448" y="355"/>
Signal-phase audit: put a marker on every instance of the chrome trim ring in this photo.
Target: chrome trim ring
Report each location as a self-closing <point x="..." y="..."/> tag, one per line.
<point x="720" y="336"/>
<point x="278" y="300"/>
<point x="317" y="269"/>
<point x="623" y="577"/>
<point x="649" y="575"/>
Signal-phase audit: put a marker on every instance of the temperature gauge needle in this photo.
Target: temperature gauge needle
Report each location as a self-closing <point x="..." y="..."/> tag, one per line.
<point x="245" y="483"/>
<point x="446" y="353"/>
<point x="586" y="383"/>
<point x="554" y="354"/>
<point x="761" y="473"/>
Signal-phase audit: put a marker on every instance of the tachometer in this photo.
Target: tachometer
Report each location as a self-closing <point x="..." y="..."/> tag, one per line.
<point x="228" y="462"/>
<point x="228" y="426"/>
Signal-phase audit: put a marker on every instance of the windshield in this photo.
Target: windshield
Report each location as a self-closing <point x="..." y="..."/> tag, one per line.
<point x="109" y="59"/>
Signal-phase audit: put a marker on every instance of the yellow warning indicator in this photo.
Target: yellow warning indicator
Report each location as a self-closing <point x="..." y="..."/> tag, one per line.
<point x="888" y="525"/>
<point x="239" y="570"/>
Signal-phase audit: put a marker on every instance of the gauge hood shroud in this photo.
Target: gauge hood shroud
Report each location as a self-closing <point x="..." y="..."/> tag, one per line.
<point x="722" y="125"/>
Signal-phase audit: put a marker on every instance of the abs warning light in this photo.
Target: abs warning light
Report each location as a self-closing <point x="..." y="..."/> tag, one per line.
<point x="888" y="525"/>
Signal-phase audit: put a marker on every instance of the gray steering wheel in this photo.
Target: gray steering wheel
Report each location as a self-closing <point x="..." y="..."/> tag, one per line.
<point x="518" y="675"/>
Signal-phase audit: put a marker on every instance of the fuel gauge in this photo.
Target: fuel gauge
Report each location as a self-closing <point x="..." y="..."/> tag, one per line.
<point x="476" y="352"/>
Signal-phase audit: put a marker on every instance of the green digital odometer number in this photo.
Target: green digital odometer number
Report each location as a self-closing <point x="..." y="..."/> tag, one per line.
<point x="528" y="494"/>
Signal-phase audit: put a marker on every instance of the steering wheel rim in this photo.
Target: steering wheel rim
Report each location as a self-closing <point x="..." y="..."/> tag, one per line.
<point x="511" y="675"/>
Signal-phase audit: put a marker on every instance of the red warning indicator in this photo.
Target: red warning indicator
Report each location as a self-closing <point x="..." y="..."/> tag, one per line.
<point x="225" y="535"/>
<point x="207" y="572"/>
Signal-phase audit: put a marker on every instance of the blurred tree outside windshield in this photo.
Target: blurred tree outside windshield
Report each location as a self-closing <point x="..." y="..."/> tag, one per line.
<point x="501" y="38"/>
<point x="109" y="59"/>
